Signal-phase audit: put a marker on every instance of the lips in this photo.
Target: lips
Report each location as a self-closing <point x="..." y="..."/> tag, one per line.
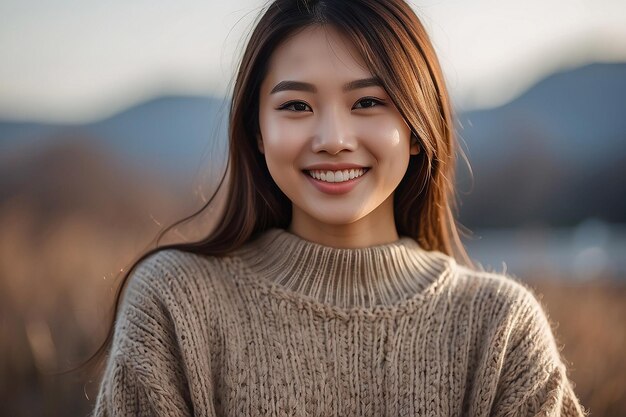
<point x="335" y="188"/>
<point x="334" y="167"/>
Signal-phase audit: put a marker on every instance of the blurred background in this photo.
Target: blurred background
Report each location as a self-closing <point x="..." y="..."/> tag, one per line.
<point x="113" y="119"/>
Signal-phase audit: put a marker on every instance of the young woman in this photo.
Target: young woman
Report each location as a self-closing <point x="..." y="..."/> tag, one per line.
<point x="335" y="282"/>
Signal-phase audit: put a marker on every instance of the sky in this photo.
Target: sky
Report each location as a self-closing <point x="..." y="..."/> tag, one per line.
<point x="74" y="61"/>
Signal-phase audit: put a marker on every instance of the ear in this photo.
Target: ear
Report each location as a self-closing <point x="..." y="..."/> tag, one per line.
<point x="259" y="140"/>
<point x="415" y="146"/>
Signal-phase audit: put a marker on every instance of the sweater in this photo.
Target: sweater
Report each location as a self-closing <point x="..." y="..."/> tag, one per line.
<point x="283" y="326"/>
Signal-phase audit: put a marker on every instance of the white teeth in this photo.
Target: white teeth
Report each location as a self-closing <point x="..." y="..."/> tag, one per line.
<point x="337" y="176"/>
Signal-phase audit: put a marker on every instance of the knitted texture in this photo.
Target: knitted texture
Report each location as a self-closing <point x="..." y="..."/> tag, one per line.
<point x="287" y="327"/>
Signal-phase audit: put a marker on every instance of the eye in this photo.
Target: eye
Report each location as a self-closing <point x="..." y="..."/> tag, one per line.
<point x="297" y="109"/>
<point x="370" y="102"/>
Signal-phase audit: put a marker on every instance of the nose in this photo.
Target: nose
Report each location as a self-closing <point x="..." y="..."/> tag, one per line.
<point x="334" y="133"/>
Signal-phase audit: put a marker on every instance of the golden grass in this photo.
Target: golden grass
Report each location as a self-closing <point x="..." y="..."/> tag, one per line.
<point x="56" y="287"/>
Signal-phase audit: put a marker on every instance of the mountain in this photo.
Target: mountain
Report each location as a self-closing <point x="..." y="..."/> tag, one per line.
<point x="580" y="114"/>
<point x="172" y="134"/>
<point x="555" y="155"/>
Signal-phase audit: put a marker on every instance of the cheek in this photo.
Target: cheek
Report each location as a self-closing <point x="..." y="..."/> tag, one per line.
<point x="282" y="141"/>
<point x="386" y="138"/>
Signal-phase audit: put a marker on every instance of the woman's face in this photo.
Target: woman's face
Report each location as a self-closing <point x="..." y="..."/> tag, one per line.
<point x="313" y="119"/>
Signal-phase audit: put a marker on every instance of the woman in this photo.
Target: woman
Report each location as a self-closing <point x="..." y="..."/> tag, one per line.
<point x="335" y="282"/>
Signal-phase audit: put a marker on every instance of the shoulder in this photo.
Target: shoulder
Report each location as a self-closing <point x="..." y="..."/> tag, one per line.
<point x="506" y="295"/>
<point x="171" y="274"/>
<point x="499" y="286"/>
<point x="506" y="314"/>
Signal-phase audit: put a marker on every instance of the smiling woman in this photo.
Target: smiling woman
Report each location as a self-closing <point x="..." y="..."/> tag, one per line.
<point x="335" y="282"/>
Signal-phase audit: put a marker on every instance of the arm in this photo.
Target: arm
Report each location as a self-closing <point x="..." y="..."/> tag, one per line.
<point x="144" y="374"/>
<point x="534" y="380"/>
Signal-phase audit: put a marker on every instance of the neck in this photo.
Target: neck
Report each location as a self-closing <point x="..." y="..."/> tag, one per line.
<point x="346" y="277"/>
<point x="377" y="228"/>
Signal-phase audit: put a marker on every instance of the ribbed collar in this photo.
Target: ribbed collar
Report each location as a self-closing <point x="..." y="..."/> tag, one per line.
<point x="344" y="277"/>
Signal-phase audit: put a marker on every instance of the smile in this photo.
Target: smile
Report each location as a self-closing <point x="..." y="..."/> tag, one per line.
<point x="336" y="182"/>
<point x="337" y="176"/>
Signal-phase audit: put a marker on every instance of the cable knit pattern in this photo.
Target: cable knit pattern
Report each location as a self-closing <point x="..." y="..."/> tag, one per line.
<point x="287" y="327"/>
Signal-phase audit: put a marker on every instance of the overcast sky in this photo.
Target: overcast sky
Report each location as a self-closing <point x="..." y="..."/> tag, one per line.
<point x="79" y="60"/>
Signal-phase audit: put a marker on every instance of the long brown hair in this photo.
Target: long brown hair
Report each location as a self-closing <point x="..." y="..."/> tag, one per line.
<point x="397" y="49"/>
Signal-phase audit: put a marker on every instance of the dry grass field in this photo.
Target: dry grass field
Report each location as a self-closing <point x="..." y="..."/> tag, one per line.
<point x="588" y="322"/>
<point x="54" y="301"/>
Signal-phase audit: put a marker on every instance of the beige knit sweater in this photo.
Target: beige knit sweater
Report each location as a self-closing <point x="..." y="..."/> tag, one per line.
<point x="288" y="327"/>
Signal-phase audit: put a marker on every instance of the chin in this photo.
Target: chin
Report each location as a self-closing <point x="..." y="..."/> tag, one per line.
<point x="333" y="218"/>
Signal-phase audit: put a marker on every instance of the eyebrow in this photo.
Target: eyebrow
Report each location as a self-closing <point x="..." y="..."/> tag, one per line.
<point x="302" y="86"/>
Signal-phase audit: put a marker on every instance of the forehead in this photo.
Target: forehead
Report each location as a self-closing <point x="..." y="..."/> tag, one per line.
<point x="316" y="53"/>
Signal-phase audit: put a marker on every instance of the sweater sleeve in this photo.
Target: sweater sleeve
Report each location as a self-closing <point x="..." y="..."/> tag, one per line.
<point x="144" y="374"/>
<point x="533" y="380"/>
